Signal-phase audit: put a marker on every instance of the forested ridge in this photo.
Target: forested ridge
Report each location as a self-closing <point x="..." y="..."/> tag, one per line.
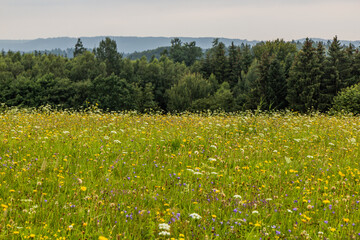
<point x="272" y="75"/>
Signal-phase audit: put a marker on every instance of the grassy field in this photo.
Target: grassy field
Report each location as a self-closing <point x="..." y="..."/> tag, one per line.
<point x="124" y="176"/>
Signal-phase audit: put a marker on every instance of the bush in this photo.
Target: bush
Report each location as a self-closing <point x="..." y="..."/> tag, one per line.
<point x="348" y="100"/>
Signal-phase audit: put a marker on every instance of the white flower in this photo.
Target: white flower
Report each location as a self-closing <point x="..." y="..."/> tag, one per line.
<point x="320" y="233"/>
<point x="289" y="211"/>
<point x="164" y="226"/>
<point x="215" y="173"/>
<point x="198" y="173"/>
<point x="106" y="137"/>
<point x="212" y="159"/>
<point x="66" y="132"/>
<point x="113" y="132"/>
<point x="117" y="141"/>
<point x="190" y="170"/>
<point x="213" y="146"/>
<point x="257" y="212"/>
<point x="195" y="216"/>
<point x="268" y="199"/>
<point x="163" y="233"/>
<point x="237" y="196"/>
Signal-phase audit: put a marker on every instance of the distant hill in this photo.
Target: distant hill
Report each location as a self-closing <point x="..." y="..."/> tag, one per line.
<point x="125" y="44"/>
<point x="130" y="46"/>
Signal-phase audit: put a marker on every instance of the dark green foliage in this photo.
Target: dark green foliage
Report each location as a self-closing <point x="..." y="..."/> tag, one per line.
<point x="79" y="48"/>
<point x="305" y="78"/>
<point x="112" y="93"/>
<point x="107" y="53"/>
<point x="337" y="74"/>
<point x="348" y="100"/>
<point x="188" y="89"/>
<point x="187" y="53"/>
<point x="266" y="76"/>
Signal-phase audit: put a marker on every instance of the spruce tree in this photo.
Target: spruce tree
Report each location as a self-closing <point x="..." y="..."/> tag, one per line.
<point x="304" y="80"/>
<point x="235" y="65"/>
<point x="337" y="74"/>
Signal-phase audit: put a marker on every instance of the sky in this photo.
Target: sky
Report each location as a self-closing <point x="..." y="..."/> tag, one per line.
<point x="242" y="19"/>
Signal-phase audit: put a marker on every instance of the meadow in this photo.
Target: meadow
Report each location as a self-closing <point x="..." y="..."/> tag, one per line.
<point x="94" y="175"/>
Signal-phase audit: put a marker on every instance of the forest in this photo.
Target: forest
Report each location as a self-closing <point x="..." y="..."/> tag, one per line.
<point x="272" y="75"/>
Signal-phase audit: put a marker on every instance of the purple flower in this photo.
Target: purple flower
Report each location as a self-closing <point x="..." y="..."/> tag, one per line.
<point x="326" y="222"/>
<point x="278" y="232"/>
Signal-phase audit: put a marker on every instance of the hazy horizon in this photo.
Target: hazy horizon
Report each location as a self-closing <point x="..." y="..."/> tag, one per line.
<point x="251" y="20"/>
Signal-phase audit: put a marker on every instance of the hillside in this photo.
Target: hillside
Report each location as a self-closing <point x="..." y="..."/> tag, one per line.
<point x="125" y="45"/>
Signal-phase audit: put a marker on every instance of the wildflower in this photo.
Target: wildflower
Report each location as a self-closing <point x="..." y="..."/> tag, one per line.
<point x="253" y="212"/>
<point x="332" y="229"/>
<point x="164" y="226"/>
<point x="103" y="238"/>
<point x="164" y="233"/>
<point x="326" y="201"/>
<point x="237" y="196"/>
<point x="83" y="188"/>
<point x="346" y="219"/>
<point x="195" y="216"/>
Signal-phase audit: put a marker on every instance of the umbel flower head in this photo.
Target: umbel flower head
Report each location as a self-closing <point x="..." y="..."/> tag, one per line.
<point x="195" y="216"/>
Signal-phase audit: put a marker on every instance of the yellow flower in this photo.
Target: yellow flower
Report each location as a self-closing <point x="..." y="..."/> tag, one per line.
<point x="214" y="216"/>
<point x="85" y="224"/>
<point x="15" y="232"/>
<point x="12" y="190"/>
<point x="257" y="224"/>
<point x="83" y="188"/>
<point x="326" y="201"/>
<point x="332" y="229"/>
<point x="346" y="219"/>
<point x="32" y="235"/>
<point x="102" y="238"/>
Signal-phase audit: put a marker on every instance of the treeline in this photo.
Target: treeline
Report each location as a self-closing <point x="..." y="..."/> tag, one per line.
<point x="270" y="75"/>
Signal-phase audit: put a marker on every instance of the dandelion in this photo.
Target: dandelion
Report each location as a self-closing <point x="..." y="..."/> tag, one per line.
<point x="103" y="238"/>
<point x="83" y="188"/>
<point x="326" y="201"/>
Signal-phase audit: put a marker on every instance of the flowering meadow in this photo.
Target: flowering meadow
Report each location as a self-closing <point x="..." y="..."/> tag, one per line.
<point x="67" y="175"/>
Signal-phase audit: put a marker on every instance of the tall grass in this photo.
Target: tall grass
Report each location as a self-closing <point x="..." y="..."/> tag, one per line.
<point x="91" y="175"/>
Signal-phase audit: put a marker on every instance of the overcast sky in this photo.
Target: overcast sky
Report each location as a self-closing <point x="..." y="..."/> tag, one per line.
<point x="244" y="19"/>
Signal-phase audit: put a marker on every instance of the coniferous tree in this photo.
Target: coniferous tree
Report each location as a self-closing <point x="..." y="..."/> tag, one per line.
<point x="304" y="81"/>
<point x="337" y="74"/>
<point x="235" y="65"/>
<point x="79" y="48"/>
